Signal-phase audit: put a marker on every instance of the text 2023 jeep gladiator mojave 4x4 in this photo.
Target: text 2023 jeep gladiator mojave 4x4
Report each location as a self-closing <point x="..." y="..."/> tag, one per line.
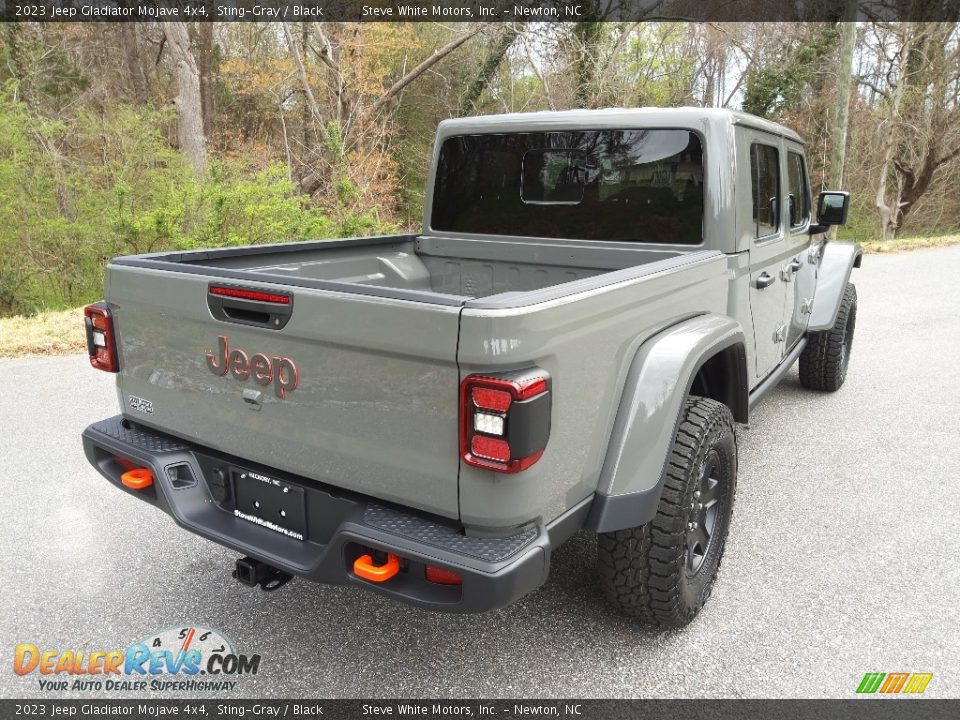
<point x="596" y="298"/>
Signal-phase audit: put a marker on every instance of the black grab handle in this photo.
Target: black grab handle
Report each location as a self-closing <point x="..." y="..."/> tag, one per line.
<point x="765" y="280"/>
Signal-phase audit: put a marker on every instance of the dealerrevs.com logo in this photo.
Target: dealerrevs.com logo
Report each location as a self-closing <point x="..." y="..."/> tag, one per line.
<point x="187" y="658"/>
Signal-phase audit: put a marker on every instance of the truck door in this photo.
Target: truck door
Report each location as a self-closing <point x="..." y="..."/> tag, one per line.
<point x="800" y="272"/>
<point x="769" y="252"/>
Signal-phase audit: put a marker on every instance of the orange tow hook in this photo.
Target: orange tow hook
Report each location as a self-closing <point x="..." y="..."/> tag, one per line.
<point x="363" y="567"/>
<point x="137" y="479"/>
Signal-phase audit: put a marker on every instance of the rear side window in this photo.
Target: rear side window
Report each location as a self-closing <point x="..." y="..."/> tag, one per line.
<point x="632" y="185"/>
<point x="799" y="193"/>
<point x="765" y="187"/>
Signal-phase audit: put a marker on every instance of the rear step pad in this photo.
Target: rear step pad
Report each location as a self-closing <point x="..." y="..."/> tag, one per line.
<point x="444" y="537"/>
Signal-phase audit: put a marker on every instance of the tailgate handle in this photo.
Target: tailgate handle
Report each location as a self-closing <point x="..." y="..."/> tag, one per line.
<point x="250" y="306"/>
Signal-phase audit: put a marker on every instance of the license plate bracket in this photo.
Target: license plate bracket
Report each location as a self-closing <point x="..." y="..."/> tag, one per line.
<point x="271" y="502"/>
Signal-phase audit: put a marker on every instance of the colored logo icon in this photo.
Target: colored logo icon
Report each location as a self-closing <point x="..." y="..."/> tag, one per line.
<point x="894" y="683"/>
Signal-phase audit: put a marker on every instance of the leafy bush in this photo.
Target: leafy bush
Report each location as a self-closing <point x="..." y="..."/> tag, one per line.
<point x="78" y="194"/>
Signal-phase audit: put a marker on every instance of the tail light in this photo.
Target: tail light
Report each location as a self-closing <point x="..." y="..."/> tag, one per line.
<point x="101" y="339"/>
<point x="255" y="295"/>
<point x="505" y="419"/>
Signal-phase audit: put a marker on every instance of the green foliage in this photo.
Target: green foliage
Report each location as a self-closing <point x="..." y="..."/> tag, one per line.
<point x="78" y="194"/>
<point x="778" y="87"/>
<point x="861" y="225"/>
<point x="333" y="136"/>
<point x="663" y="72"/>
<point x="47" y="74"/>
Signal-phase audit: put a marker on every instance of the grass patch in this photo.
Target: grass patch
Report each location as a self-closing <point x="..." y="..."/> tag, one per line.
<point x="50" y="333"/>
<point x="909" y="243"/>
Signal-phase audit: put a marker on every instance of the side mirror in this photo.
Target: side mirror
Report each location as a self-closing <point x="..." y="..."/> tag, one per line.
<point x="832" y="207"/>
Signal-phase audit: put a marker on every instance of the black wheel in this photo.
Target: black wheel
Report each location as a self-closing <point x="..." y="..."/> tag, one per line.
<point x="824" y="361"/>
<point x="663" y="572"/>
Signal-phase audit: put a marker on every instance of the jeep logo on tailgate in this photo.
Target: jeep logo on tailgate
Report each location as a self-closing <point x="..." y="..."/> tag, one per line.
<point x="279" y="370"/>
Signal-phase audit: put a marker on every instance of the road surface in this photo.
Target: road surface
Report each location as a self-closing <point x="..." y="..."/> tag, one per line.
<point x="843" y="558"/>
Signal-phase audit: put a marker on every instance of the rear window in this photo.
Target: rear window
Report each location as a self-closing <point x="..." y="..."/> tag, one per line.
<point x="636" y="185"/>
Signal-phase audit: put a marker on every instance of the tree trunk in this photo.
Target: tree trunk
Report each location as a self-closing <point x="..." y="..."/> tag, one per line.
<point x="848" y="36"/>
<point x="190" y="135"/>
<point x="302" y="72"/>
<point x="890" y="210"/>
<point x="713" y="68"/>
<point x="930" y="114"/>
<point x="487" y="70"/>
<point x="587" y="36"/>
<point x="205" y="61"/>
<point x="710" y="89"/>
<point x="131" y="51"/>
<point x="328" y="57"/>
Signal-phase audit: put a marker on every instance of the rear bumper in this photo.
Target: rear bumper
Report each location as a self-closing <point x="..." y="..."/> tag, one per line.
<point x="340" y="526"/>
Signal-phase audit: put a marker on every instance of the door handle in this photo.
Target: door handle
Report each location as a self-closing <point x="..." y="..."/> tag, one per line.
<point x="796" y="264"/>
<point x="765" y="280"/>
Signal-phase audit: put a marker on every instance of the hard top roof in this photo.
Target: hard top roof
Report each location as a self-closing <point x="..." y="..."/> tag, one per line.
<point x="684" y="117"/>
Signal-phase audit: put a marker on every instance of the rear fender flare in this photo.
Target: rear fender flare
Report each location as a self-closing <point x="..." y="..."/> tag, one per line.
<point x="658" y="381"/>
<point x="836" y="264"/>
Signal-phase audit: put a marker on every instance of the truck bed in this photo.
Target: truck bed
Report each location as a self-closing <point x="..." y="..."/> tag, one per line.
<point x="439" y="270"/>
<point x="376" y="334"/>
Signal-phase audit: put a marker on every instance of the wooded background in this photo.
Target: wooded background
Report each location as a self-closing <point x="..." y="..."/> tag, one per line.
<point x="130" y="138"/>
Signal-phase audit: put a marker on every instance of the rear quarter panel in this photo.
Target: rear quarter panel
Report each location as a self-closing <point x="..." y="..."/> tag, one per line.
<point x="586" y="341"/>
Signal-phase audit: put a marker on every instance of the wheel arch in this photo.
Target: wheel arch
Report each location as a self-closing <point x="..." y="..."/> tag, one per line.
<point x="723" y="377"/>
<point x="707" y="352"/>
<point x="836" y="265"/>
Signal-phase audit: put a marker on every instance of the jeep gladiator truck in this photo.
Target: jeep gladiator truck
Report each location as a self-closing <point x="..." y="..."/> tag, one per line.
<point x="596" y="298"/>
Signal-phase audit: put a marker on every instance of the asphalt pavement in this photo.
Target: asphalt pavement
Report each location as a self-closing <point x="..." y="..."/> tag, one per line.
<point x="842" y="559"/>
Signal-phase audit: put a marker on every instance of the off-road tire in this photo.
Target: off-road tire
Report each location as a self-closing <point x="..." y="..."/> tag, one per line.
<point x="646" y="571"/>
<point x="824" y="361"/>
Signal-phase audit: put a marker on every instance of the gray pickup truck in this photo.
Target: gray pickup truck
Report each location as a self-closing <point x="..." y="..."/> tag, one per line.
<point x="596" y="298"/>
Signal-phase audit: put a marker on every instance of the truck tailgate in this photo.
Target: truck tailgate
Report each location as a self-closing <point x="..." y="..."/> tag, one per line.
<point x="374" y="409"/>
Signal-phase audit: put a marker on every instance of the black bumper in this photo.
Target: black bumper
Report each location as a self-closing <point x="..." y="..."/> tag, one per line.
<point x="340" y="526"/>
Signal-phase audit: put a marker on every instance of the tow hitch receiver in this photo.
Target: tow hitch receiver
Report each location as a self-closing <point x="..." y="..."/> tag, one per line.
<point x="363" y="567"/>
<point x="252" y="572"/>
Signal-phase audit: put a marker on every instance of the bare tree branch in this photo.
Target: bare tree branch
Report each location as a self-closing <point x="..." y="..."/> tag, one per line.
<point x="540" y="75"/>
<point x="949" y="156"/>
<point x="301" y="70"/>
<point x="420" y="69"/>
<point x="873" y="86"/>
<point x="327" y="57"/>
